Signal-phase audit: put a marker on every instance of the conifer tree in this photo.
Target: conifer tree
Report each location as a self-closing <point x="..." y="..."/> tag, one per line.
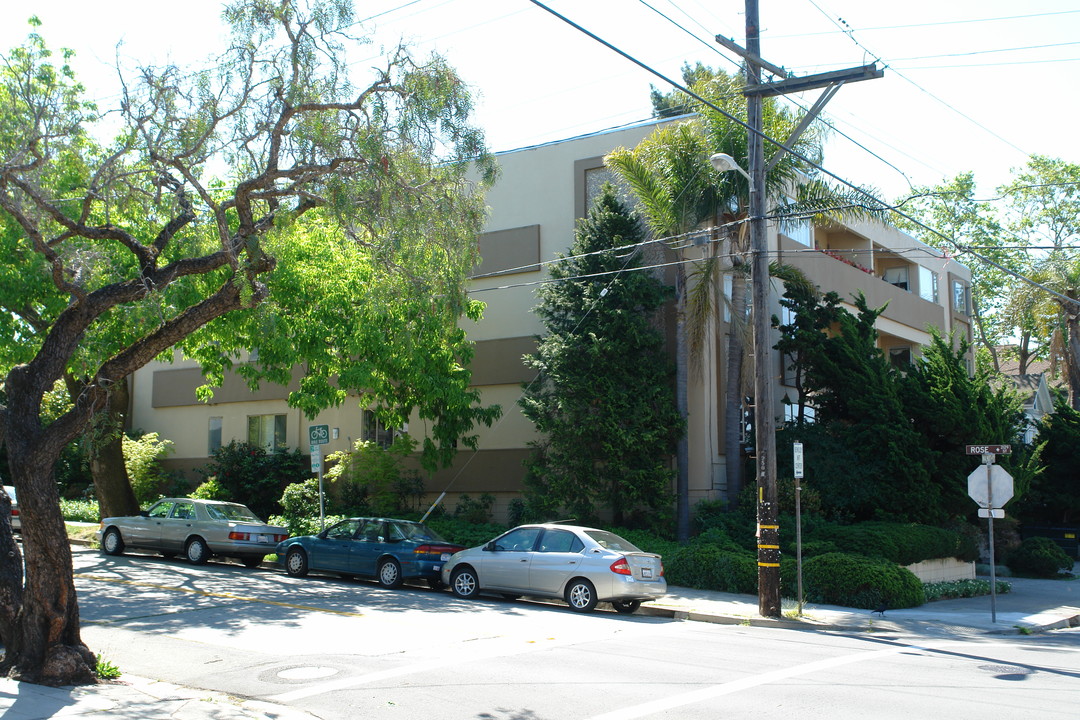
<point x="603" y="399"/>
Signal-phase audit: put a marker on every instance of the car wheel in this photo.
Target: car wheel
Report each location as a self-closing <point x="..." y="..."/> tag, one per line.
<point x="253" y="561"/>
<point x="197" y="552"/>
<point x="626" y="607"/>
<point x="464" y="583"/>
<point x="581" y="595"/>
<point x="296" y="563"/>
<point x="112" y="543"/>
<point x="390" y="574"/>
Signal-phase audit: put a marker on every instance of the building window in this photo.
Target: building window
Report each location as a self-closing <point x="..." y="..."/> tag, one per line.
<point x="791" y="413"/>
<point x="900" y="357"/>
<point x="897" y="276"/>
<point x="267" y="431"/>
<point x="213" y="439"/>
<point x="374" y="430"/>
<point x="959" y="297"/>
<point x="928" y="289"/>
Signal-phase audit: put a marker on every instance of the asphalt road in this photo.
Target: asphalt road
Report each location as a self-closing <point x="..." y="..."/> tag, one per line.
<point x="345" y="649"/>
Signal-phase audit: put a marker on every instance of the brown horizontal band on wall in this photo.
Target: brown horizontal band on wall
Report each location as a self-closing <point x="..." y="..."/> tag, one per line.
<point x="175" y="387"/>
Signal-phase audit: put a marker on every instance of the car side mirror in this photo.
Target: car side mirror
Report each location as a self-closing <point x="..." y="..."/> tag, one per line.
<point x="490" y="547"/>
<point x="144" y="513"/>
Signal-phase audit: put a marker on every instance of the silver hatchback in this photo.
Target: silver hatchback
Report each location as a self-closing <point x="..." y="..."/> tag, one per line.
<point x="581" y="565"/>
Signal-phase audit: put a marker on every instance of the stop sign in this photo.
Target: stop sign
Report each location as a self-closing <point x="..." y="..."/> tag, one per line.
<point x="990" y="483"/>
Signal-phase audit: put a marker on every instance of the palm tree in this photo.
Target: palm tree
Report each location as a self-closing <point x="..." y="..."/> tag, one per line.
<point x="678" y="191"/>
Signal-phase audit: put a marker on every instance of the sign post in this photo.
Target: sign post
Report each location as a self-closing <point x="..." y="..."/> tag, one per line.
<point x="991" y="490"/>
<point x="797" y="457"/>
<point x="319" y="435"/>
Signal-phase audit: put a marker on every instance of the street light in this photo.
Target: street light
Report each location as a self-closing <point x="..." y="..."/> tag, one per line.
<point x="722" y="162"/>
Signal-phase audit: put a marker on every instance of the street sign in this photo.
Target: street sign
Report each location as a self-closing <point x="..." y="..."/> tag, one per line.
<point x="987" y="513"/>
<point x="318" y="434"/>
<point x="989" y="449"/>
<point x="798" y="455"/>
<point x="990" y="484"/>
<point x="316" y="458"/>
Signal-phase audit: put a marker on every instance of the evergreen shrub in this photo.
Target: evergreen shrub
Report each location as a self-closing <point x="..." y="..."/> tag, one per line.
<point x="859" y="581"/>
<point x="902" y="543"/>
<point x="463" y="532"/>
<point x="707" y="567"/>
<point x="1039" y="556"/>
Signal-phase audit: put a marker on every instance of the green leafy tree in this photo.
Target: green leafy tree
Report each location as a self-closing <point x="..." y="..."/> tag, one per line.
<point x="369" y="478"/>
<point x="252" y="476"/>
<point x="336" y="237"/>
<point x="603" y="399"/>
<point x="141" y="458"/>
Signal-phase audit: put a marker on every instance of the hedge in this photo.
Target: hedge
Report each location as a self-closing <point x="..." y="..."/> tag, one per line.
<point x="902" y="543"/>
<point x="1038" y="556"/>
<point x="859" y="581"/>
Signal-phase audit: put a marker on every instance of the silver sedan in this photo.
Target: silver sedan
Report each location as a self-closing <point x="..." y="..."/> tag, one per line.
<point x="16" y="521"/>
<point x="199" y="529"/>
<point x="581" y="565"/>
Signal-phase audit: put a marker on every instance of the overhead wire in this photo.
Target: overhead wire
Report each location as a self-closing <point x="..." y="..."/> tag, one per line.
<point x="810" y="163"/>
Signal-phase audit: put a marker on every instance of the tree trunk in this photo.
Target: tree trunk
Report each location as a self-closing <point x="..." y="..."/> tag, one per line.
<point x="733" y="394"/>
<point x="1072" y="349"/>
<point x="112" y="486"/>
<point x="682" y="376"/>
<point x="11" y="564"/>
<point x="44" y="645"/>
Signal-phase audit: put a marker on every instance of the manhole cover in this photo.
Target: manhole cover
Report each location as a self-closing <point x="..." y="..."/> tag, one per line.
<point x="313" y="672"/>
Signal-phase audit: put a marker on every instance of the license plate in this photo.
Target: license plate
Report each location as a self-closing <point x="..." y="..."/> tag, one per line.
<point x="264" y="538"/>
<point x="646" y="572"/>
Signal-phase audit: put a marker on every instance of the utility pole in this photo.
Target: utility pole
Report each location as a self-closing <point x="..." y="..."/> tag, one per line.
<point x="768" y="529"/>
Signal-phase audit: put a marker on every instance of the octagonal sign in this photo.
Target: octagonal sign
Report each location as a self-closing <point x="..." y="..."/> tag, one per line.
<point x="998" y="487"/>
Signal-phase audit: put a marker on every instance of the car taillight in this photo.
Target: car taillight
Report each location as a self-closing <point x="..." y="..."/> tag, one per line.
<point x="14" y="512"/>
<point x="239" y="536"/>
<point x="435" y="549"/>
<point x="621" y="567"/>
<point x="661" y="569"/>
<point x="281" y="538"/>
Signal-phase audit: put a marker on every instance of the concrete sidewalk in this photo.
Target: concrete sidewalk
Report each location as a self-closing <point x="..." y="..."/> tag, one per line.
<point x="1032" y="606"/>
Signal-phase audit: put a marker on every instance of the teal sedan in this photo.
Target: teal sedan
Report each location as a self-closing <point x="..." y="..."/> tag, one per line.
<point x="391" y="551"/>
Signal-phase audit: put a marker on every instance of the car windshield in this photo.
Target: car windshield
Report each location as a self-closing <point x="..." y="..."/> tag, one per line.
<point x="611" y="541"/>
<point x="230" y="512"/>
<point x="413" y="531"/>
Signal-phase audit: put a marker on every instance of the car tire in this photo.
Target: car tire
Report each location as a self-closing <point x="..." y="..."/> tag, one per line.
<point x="197" y="551"/>
<point x="296" y="563"/>
<point x="253" y="561"/>
<point x="112" y="543"/>
<point x="626" y="607"/>
<point x="390" y="574"/>
<point x="464" y="583"/>
<point x="580" y="595"/>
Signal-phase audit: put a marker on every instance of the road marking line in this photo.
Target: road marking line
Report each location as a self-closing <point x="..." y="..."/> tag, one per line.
<point x="715" y="691"/>
<point x="223" y="595"/>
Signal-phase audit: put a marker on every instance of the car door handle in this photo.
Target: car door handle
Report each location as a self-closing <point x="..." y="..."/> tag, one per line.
<point x="524" y="560"/>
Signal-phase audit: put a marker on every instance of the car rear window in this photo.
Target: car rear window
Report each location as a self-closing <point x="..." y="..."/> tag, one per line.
<point x="414" y="531"/>
<point x="611" y="541"/>
<point x="231" y="512"/>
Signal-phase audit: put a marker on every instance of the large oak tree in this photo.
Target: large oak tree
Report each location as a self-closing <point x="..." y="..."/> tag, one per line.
<point x="264" y="204"/>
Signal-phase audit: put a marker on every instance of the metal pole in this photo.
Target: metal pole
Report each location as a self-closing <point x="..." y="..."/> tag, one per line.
<point x="764" y="430"/>
<point x="798" y="526"/>
<point x="989" y="459"/>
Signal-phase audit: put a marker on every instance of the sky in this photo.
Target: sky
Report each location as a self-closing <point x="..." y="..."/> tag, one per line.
<point x="968" y="86"/>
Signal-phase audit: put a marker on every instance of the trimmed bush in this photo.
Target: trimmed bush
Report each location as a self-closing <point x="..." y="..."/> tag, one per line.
<point x="463" y="532"/>
<point x="860" y="581"/>
<point x="902" y="543"/>
<point x="708" y="567"/>
<point x="649" y="541"/>
<point x="1039" y="556"/>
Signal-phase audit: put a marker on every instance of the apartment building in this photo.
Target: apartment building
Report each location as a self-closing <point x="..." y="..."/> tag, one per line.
<point x="541" y="193"/>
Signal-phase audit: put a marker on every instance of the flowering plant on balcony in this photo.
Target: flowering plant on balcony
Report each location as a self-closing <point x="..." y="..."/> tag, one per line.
<point x="846" y="261"/>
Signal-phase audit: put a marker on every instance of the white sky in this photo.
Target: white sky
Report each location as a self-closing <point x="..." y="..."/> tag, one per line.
<point x="969" y="85"/>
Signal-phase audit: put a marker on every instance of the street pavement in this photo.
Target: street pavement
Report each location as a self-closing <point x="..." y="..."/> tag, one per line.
<point x="1032" y="606"/>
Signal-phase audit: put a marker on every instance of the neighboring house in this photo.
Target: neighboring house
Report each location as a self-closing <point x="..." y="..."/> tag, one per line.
<point x="1036" y="398"/>
<point x="542" y="191"/>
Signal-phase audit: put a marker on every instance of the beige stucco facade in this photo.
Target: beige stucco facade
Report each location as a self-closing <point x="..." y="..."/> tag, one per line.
<point x="533" y="208"/>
